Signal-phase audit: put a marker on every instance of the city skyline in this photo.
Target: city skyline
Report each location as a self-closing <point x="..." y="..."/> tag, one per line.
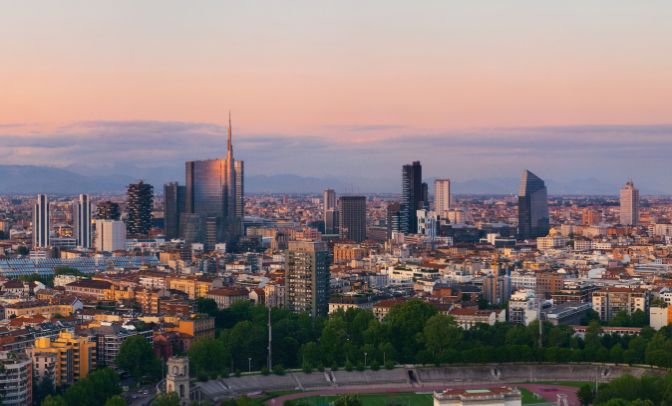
<point x="451" y="84"/>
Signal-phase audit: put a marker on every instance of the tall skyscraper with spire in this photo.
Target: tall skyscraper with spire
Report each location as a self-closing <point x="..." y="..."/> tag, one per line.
<point x="214" y="198"/>
<point x="533" y="220"/>
<point x="629" y="214"/>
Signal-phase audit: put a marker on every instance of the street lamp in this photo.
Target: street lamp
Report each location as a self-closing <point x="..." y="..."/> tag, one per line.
<point x="249" y="364"/>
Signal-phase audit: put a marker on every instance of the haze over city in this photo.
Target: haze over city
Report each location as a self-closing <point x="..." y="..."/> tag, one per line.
<point x="477" y="90"/>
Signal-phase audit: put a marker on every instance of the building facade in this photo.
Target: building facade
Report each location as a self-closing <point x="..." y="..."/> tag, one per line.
<point x="214" y="199"/>
<point x="139" y="209"/>
<point x="412" y="195"/>
<point x="629" y="210"/>
<point x="307" y="277"/>
<point x="330" y="212"/>
<point x="41" y="222"/>
<point x="110" y="235"/>
<point x="81" y="218"/>
<point x="533" y="218"/>
<point x="352" y="218"/>
<point x="66" y="359"/>
<point x="174" y="200"/>
<point x="442" y="196"/>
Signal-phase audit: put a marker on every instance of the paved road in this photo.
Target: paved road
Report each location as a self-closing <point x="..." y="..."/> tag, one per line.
<point x="548" y="392"/>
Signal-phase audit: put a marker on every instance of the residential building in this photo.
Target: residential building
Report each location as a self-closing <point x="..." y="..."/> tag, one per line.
<point x="442" y="196"/>
<point x="607" y="302"/>
<point x="469" y="317"/>
<point x="139" y="209"/>
<point x="109" y="338"/>
<point x="629" y="209"/>
<point x="16" y="379"/>
<point x="107" y="210"/>
<point x="66" y="359"/>
<point x="226" y="296"/>
<point x="110" y="235"/>
<point x="352" y="218"/>
<point x="307" y="277"/>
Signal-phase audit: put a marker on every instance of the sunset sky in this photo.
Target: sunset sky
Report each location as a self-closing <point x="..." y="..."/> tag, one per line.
<point x="472" y="88"/>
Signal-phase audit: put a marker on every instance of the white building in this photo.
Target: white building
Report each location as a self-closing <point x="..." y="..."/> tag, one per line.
<point x="428" y="223"/>
<point x="658" y="317"/>
<point x="629" y="214"/>
<point x="551" y="242"/>
<point x="441" y="196"/>
<point x="110" y="235"/>
<point x="493" y="396"/>
<point x="523" y="307"/>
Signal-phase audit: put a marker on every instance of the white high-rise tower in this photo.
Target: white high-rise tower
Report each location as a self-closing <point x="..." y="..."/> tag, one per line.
<point x="629" y="204"/>
<point x="41" y="222"/>
<point x="441" y="196"/>
<point x="81" y="216"/>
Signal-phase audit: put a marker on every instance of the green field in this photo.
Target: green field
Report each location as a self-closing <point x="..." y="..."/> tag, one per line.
<point x="529" y="398"/>
<point x="377" y="399"/>
<point x="573" y="384"/>
<point x="402" y="399"/>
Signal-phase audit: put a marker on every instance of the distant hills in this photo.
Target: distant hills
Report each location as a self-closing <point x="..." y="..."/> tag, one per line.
<point x="18" y="179"/>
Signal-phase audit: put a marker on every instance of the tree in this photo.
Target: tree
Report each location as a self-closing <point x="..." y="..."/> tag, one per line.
<point x="404" y="322"/>
<point x="137" y="358"/>
<point x="585" y="395"/>
<point x="348" y="400"/>
<point x="440" y="334"/>
<point x="115" y="400"/>
<point x="207" y="306"/>
<point x="208" y="357"/>
<point x="42" y="388"/>
<point x="167" y="399"/>
<point x="52" y="400"/>
<point x="95" y="389"/>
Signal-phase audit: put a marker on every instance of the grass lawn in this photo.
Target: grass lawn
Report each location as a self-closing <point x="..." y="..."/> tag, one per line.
<point x="378" y="399"/>
<point x="529" y="398"/>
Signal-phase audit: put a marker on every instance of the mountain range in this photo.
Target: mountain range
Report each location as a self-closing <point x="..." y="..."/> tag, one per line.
<point x="17" y="179"/>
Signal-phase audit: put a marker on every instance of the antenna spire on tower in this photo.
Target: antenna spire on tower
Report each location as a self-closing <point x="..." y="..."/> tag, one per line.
<point x="228" y="142"/>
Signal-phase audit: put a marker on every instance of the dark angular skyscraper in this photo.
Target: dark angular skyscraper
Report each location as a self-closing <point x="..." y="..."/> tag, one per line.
<point x="352" y="220"/>
<point x="139" y="209"/>
<point x="412" y="195"/>
<point x="174" y="201"/>
<point x="533" y="220"/>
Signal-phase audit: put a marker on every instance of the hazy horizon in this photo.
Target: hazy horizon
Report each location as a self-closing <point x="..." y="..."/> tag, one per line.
<point x="570" y="90"/>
